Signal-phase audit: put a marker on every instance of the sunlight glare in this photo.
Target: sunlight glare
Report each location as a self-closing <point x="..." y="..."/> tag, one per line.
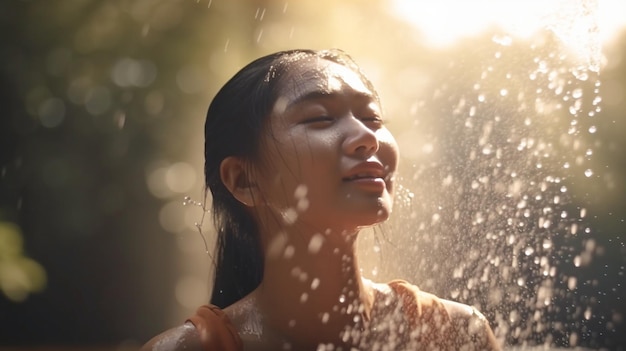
<point x="444" y="22"/>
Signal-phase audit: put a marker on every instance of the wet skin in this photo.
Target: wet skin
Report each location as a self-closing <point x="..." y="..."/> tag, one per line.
<point x="331" y="160"/>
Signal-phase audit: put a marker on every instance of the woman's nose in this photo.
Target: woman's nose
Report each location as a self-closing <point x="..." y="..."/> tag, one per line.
<point x="360" y="140"/>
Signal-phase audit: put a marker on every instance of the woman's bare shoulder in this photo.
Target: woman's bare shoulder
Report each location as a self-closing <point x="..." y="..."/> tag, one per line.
<point x="183" y="337"/>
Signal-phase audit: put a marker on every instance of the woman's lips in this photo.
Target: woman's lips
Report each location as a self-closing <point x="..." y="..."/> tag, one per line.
<point x="367" y="182"/>
<point x="369" y="175"/>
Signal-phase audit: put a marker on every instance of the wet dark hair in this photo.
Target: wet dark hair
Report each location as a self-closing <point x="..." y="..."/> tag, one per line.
<point x="235" y="122"/>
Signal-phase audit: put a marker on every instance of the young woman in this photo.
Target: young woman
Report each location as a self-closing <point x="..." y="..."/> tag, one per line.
<point x="298" y="160"/>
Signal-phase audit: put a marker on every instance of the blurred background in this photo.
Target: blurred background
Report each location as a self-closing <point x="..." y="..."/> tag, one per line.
<point x="509" y="115"/>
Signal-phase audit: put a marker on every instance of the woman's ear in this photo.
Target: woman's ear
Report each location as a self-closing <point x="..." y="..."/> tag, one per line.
<point x="235" y="177"/>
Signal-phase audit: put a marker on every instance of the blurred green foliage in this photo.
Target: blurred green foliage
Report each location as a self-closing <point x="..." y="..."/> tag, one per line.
<point x="19" y="274"/>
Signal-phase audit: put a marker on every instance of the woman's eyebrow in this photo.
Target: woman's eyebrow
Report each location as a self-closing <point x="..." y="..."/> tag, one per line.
<point x="322" y="94"/>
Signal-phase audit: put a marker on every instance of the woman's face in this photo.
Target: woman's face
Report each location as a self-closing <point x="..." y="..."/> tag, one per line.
<point x="330" y="161"/>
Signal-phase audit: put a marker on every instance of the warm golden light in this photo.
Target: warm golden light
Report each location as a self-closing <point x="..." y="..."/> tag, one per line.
<point x="444" y="22"/>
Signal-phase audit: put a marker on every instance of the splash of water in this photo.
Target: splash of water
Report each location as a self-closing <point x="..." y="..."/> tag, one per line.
<point x="517" y="139"/>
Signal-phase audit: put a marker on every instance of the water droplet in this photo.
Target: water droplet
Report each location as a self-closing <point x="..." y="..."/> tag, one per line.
<point x="588" y="313"/>
<point x="290" y="216"/>
<point x="289" y="252"/>
<point x="304" y="297"/>
<point x="295" y="271"/>
<point x="303" y="277"/>
<point x="592" y="129"/>
<point x="315" y="283"/>
<point x="302" y="204"/>
<point x="577" y="261"/>
<point x="186" y="200"/>
<point x="342" y="298"/>
<point x="596" y="100"/>
<point x="547" y="243"/>
<point x="577" y="93"/>
<point x="325" y="317"/>
<point x="315" y="244"/>
<point x="487" y="150"/>
<point x="588" y="173"/>
<point x="572" y="282"/>
<point x="301" y="191"/>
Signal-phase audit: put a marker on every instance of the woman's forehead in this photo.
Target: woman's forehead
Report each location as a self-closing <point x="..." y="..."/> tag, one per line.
<point x="324" y="77"/>
<point x="319" y="76"/>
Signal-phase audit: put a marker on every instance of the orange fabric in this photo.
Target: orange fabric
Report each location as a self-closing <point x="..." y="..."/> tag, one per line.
<point x="216" y="330"/>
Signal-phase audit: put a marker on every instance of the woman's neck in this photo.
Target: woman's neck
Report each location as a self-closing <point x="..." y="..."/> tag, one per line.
<point x="312" y="290"/>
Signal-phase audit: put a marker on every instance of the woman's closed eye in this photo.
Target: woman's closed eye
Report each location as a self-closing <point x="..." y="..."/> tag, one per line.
<point x="319" y="120"/>
<point x="374" y="120"/>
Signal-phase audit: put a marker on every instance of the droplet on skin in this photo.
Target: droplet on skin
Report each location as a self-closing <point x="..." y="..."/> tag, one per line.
<point x="303" y="277"/>
<point x="290" y="216"/>
<point x="295" y="271"/>
<point x="300" y="195"/>
<point x="588" y="173"/>
<point x="304" y="297"/>
<point x="315" y="283"/>
<point x="316" y="242"/>
<point x="301" y="191"/>
<point x="276" y="245"/>
<point x="302" y="205"/>
<point x="289" y="251"/>
<point x="325" y="317"/>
